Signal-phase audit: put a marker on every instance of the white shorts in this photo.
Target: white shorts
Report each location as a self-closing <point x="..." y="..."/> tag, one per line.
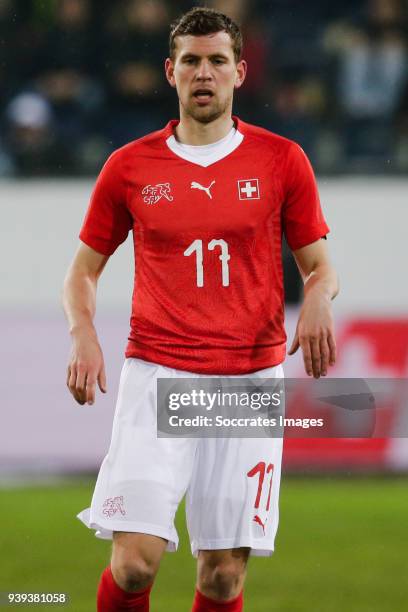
<point x="232" y="484"/>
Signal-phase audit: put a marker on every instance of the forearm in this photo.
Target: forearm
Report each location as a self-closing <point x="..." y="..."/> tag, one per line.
<point x="86" y="367"/>
<point x="322" y="281"/>
<point x="315" y="328"/>
<point x="79" y="301"/>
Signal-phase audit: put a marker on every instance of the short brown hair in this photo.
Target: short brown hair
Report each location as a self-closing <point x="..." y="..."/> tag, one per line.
<point x="200" y="21"/>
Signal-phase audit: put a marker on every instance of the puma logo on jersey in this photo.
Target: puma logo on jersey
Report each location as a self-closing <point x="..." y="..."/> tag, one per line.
<point x="195" y="185"/>
<point x="260" y="522"/>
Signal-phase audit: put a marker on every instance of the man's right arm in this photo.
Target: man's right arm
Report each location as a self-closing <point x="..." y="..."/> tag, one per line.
<point x="86" y="364"/>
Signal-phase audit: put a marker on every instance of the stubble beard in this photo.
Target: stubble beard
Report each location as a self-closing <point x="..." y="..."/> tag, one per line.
<point x="207" y="114"/>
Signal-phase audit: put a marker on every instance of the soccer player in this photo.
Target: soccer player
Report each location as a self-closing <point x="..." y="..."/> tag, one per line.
<point x="207" y="198"/>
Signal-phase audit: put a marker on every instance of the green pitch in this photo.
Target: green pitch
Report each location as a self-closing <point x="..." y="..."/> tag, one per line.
<point x="342" y="545"/>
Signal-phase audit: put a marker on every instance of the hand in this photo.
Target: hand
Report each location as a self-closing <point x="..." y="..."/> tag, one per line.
<point x="86" y="367"/>
<point x="315" y="335"/>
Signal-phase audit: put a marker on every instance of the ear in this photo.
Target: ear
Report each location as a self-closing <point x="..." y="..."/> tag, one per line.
<point x="169" y="69"/>
<point x="241" y="73"/>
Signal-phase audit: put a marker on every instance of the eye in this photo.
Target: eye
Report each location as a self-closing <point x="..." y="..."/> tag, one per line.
<point x="218" y="61"/>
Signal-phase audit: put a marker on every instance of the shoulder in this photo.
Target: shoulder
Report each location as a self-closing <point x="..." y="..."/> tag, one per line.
<point x="263" y="136"/>
<point x="280" y="148"/>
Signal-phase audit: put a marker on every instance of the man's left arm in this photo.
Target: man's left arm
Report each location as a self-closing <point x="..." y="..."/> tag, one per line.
<point x="315" y="327"/>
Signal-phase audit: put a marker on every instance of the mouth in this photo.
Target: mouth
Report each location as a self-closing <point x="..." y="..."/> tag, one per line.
<point x="203" y="95"/>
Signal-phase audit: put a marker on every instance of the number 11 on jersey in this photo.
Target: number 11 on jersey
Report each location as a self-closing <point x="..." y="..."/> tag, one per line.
<point x="197" y="246"/>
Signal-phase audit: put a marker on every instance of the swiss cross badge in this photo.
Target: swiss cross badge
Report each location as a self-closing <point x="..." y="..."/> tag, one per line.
<point x="248" y="189"/>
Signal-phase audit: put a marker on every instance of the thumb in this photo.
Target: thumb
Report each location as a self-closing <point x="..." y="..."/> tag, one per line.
<point x="295" y="344"/>
<point x="102" y="380"/>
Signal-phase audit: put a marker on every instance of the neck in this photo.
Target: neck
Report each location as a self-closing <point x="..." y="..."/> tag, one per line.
<point x="192" y="132"/>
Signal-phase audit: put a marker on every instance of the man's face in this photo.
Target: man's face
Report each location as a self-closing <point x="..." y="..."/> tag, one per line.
<point x="205" y="75"/>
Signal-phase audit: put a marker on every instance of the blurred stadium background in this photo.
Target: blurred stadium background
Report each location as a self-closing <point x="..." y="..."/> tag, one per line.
<point x="78" y="79"/>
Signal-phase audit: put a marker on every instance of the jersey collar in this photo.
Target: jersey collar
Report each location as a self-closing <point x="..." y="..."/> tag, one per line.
<point x="219" y="152"/>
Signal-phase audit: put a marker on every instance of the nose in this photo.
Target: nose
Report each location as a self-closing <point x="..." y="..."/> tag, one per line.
<point x="204" y="70"/>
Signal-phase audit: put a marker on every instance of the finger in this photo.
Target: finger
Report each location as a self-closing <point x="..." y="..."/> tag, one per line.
<point x="71" y="379"/>
<point x="307" y="356"/>
<point x="295" y="345"/>
<point x="72" y="383"/>
<point x="102" y="379"/>
<point x="90" y="389"/>
<point x="324" y="355"/>
<point x="68" y="375"/>
<point x="333" y="349"/>
<point x="315" y="350"/>
<point x="80" y="387"/>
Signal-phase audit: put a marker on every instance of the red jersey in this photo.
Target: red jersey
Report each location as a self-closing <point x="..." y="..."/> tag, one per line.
<point x="208" y="292"/>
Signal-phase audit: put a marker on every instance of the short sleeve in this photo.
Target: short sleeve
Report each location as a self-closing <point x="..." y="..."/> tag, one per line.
<point x="107" y="221"/>
<point x="302" y="216"/>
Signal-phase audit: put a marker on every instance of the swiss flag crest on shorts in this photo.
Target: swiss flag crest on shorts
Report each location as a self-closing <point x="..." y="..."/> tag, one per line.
<point x="248" y="189"/>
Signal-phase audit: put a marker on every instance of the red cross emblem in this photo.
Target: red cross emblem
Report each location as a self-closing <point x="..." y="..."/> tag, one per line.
<point x="248" y="189"/>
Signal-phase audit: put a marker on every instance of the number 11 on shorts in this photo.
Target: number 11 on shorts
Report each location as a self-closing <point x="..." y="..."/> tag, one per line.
<point x="262" y="469"/>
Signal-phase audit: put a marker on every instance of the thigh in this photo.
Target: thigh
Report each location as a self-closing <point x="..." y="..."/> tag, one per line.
<point x="233" y="497"/>
<point x="143" y="478"/>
